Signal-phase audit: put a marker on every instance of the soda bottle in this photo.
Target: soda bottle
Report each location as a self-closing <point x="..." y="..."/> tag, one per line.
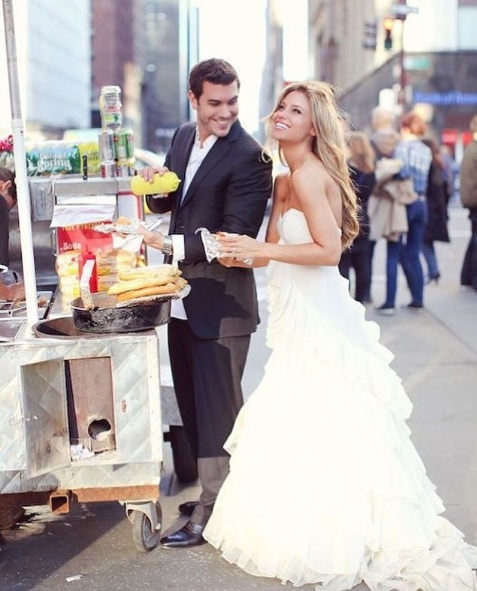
<point x="110" y="107"/>
<point x="87" y="255"/>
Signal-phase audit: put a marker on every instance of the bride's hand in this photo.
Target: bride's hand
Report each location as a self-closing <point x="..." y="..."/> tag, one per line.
<point x="240" y="247"/>
<point x="227" y="261"/>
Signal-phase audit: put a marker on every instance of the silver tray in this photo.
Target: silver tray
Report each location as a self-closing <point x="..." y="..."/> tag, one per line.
<point x="18" y="309"/>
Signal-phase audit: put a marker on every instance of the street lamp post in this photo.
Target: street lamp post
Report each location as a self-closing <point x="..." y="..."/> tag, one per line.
<point x="400" y="10"/>
<point x="402" y="72"/>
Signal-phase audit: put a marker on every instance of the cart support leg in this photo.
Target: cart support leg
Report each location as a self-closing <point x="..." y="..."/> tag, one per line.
<point x="60" y="501"/>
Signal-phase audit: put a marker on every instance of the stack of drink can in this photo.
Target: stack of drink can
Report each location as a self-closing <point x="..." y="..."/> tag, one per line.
<point x="116" y="148"/>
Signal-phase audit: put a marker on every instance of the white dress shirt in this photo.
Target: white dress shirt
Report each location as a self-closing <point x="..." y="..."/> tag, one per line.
<point x="197" y="155"/>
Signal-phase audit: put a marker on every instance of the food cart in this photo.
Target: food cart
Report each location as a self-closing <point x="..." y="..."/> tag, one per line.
<point x="81" y="414"/>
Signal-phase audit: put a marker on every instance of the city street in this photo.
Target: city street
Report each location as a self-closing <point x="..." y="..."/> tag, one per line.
<point x="436" y="356"/>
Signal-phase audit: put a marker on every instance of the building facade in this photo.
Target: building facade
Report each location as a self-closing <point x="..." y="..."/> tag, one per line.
<point x="273" y="78"/>
<point x="54" y="67"/>
<point x="171" y="38"/>
<point x="118" y="58"/>
<point x="436" y="45"/>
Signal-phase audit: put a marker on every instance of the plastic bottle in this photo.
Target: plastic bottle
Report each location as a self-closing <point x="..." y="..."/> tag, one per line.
<point x="87" y="255"/>
<point x="110" y="107"/>
<point x="165" y="184"/>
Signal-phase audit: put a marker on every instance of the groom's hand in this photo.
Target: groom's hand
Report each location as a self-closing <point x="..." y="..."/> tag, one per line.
<point x="148" y="172"/>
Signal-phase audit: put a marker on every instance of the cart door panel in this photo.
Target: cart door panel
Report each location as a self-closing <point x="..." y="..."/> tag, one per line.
<point x="45" y="415"/>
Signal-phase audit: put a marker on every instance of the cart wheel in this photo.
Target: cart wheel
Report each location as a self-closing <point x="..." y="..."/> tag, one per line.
<point x="185" y="463"/>
<point x="144" y="538"/>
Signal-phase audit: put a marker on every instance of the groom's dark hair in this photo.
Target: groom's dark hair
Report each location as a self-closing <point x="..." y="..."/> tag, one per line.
<point x="213" y="70"/>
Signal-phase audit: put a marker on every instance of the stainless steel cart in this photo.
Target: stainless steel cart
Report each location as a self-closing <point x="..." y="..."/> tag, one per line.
<point x="101" y="394"/>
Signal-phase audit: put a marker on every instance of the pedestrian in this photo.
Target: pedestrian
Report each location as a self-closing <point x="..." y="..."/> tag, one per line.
<point x="437" y="198"/>
<point x="8" y="198"/>
<point x="416" y="160"/>
<point x="225" y="184"/>
<point x="361" y="165"/>
<point x="468" y="195"/>
<point x="384" y="139"/>
<point x="325" y="486"/>
<point x="449" y="171"/>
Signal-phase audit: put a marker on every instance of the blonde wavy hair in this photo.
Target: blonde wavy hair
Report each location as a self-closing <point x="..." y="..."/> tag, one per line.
<point x="362" y="152"/>
<point x="329" y="146"/>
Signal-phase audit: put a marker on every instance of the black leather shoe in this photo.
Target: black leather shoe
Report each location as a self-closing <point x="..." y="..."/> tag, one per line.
<point x="188" y="507"/>
<point x="412" y="307"/>
<point x="188" y="536"/>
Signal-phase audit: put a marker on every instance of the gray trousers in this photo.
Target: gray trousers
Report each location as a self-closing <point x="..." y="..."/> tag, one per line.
<point x="207" y="376"/>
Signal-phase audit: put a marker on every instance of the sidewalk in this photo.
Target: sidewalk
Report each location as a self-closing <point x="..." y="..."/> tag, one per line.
<point x="436" y="356"/>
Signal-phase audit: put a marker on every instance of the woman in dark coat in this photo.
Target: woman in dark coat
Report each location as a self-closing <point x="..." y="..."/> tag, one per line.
<point x="437" y="198"/>
<point x="361" y="165"/>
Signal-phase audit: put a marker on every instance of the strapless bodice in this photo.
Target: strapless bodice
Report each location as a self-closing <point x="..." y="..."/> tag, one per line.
<point x="293" y="227"/>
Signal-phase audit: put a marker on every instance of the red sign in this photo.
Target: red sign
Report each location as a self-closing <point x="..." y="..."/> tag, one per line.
<point x="449" y="136"/>
<point x="466" y="137"/>
<point x="76" y="237"/>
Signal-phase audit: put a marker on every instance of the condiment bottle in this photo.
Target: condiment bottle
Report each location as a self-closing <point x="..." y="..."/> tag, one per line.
<point x="87" y="255"/>
<point x="162" y="184"/>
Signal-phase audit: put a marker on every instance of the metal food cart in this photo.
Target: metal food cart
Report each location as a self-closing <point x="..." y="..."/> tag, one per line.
<point x="95" y="398"/>
<point x="100" y="394"/>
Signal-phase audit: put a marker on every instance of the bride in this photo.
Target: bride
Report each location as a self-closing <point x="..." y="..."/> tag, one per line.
<point x="325" y="485"/>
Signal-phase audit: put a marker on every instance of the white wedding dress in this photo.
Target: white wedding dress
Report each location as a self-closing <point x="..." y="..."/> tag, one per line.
<point x="325" y="485"/>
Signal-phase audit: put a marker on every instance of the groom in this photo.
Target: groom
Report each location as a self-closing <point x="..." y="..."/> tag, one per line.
<point x="225" y="184"/>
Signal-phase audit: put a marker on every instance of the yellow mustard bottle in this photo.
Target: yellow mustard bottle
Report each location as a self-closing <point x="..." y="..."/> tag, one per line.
<point x="162" y="184"/>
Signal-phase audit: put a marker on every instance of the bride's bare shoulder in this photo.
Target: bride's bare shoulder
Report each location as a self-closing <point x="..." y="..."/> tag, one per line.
<point x="311" y="173"/>
<point x="312" y="183"/>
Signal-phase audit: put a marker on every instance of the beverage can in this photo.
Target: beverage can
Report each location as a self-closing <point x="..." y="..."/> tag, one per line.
<point x="123" y="168"/>
<point x="106" y="145"/>
<point x="108" y="169"/>
<point x="129" y="143"/>
<point x="123" y="141"/>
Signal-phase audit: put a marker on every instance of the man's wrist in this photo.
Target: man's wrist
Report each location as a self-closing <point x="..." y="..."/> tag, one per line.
<point x="167" y="247"/>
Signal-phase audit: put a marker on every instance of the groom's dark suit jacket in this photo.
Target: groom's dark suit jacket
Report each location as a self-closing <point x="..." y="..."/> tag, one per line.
<point x="228" y="192"/>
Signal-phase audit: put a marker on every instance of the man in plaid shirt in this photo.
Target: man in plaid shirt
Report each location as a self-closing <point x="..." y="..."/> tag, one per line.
<point x="416" y="158"/>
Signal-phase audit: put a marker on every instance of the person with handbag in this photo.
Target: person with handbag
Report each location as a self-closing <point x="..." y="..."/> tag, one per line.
<point x="361" y="165"/>
<point x="437" y="197"/>
<point x="468" y="195"/>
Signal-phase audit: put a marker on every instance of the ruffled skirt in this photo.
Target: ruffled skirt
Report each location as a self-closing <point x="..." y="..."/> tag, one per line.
<point x="325" y="485"/>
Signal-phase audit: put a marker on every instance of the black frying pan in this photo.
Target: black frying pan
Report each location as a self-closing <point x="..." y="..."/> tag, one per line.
<point x="106" y="318"/>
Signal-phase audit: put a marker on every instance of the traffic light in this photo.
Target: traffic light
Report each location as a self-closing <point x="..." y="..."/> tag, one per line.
<point x="388" y="33"/>
<point x="369" y="35"/>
